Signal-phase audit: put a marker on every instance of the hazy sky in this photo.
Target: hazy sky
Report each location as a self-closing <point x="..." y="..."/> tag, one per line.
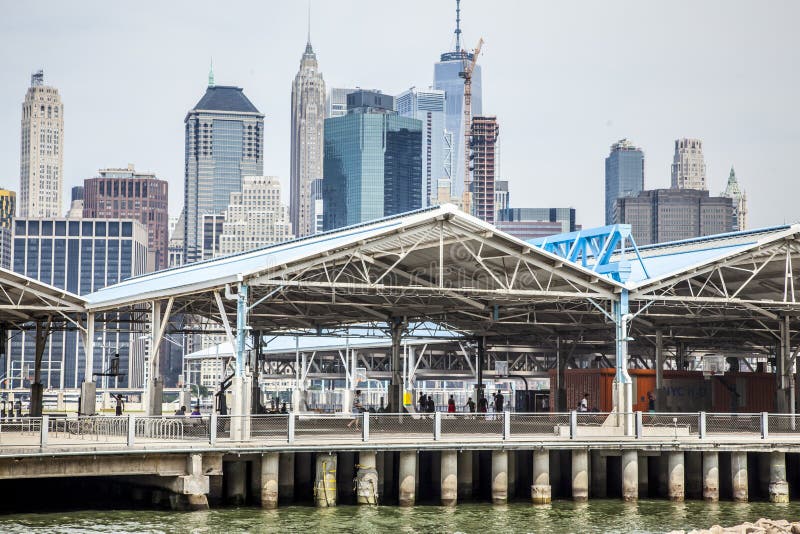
<point x="566" y="79"/>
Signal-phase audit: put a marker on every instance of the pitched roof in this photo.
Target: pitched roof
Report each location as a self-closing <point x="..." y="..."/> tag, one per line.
<point x="225" y="98"/>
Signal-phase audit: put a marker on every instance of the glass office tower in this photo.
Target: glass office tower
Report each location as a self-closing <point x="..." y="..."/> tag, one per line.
<point x="624" y="175"/>
<point x="373" y="162"/>
<point x="80" y="256"/>
<point x="427" y="105"/>
<point x="224" y="142"/>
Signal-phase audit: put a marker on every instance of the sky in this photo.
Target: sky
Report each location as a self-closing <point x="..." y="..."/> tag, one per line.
<point x="565" y="79"/>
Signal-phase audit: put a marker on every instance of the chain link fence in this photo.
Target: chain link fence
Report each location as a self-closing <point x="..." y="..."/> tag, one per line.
<point x="472" y="425"/>
<point x="539" y="424"/>
<point x="401" y="426"/>
<point x="269" y="427"/>
<point x="784" y="423"/>
<point x="309" y="427"/>
<point x="19" y="430"/>
<point x="733" y="423"/>
<point x="680" y="423"/>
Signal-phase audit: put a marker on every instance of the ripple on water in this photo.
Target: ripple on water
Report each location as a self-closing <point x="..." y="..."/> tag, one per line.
<point x="598" y="516"/>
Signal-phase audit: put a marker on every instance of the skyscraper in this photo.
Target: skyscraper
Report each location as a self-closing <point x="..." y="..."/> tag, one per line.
<point x="485" y="131"/>
<point x="42" y="151"/>
<point x="446" y="76"/>
<point x="533" y="223"/>
<point x="8" y="208"/>
<point x="224" y="141"/>
<point x="427" y="105"/>
<point x="255" y="217"/>
<point x="373" y="164"/>
<point x="308" y="115"/>
<point x="688" y="166"/>
<point x="624" y="174"/>
<point x="128" y="194"/>
<point x="336" y="101"/>
<point x="739" y="198"/>
<point x="80" y="256"/>
<point x="502" y="197"/>
<point x="76" y="203"/>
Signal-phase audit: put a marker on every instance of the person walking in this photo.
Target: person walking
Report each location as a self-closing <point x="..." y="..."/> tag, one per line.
<point x="356" y="410"/>
<point x="451" y="405"/>
<point x="423" y="403"/>
<point x="431" y="404"/>
<point x="470" y="405"/>
<point x="120" y="405"/>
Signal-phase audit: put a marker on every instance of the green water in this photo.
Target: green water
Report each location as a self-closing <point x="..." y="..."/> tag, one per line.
<point x="561" y="517"/>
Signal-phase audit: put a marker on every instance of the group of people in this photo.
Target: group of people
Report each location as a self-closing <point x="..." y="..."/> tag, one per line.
<point x="182" y="411"/>
<point x="426" y="404"/>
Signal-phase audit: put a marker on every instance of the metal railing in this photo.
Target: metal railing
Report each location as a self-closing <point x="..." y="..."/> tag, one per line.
<point x="314" y="428"/>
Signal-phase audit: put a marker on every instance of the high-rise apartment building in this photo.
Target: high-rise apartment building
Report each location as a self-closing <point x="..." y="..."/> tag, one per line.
<point x="308" y="115"/>
<point x="447" y="77"/>
<point x="128" y="194"/>
<point x="739" y="199"/>
<point x="485" y="131"/>
<point x="255" y="217"/>
<point x="80" y="256"/>
<point x="427" y="105"/>
<point x="224" y="142"/>
<point x="688" y="165"/>
<point x="624" y="174"/>
<point x="534" y="223"/>
<point x="42" y="151"/>
<point x="661" y="215"/>
<point x="372" y="165"/>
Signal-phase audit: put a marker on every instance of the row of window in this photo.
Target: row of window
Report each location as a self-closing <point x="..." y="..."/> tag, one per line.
<point x="24" y="227"/>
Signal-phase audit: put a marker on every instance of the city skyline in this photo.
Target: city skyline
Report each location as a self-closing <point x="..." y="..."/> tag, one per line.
<point x="578" y="99"/>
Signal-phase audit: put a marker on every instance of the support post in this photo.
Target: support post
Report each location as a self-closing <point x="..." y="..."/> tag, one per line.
<point x="701" y="426"/>
<point x="395" y="392"/>
<point x="37" y="388"/>
<point x="212" y="431"/>
<point x="131" y="429"/>
<point x="764" y="425"/>
<point x="573" y="424"/>
<point x="638" y="424"/>
<point x="407" y="473"/>
<point x="270" y="475"/>
<point x="623" y="403"/>
<point x="739" y="476"/>
<point x="43" y="431"/>
<point x="367" y="478"/>
<point x="449" y="477"/>
<point x="499" y="477"/>
<point x="630" y="475"/>
<point x="710" y="476"/>
<point x="479" y="388"/>
<point x="506" y="425"/>
<point x="778" y="486"/>
<point x="437" y="426"/>
<point x="541" y="492"/>
<point x="580" y="475"/>
<point x="676" y="476"/>
<point x="325" y="485"/>
<point x="660" y="392"/>
<point x="365" y="426"/>
<point x="155" y="387"/>
<point x="88" y="400"/>
<point x="465" y="475"/>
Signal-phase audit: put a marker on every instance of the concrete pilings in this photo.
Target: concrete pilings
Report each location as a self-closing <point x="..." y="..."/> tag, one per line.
<point x="449" y="477"/>
<point x="580" y="475"/>
<point x="778" y="486"/>
<point x="407" y="474"/>
<point x="739" y="476"/>
<point x="676" y="477"/>
<point x="499" y="477"/>
<point x="367" y="478"/>
<point x="711" y="476"/>
<point x="465" y="475"/>
<point x="630" y="475"/>
<point x="541" y="492"/>
<point x="270" y="469"/>
<point x="644" y="476"/>
<point x="325" y="481"/>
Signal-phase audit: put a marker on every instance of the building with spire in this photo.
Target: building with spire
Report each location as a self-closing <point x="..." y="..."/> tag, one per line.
<point x="308" y="116"/>
<point x="446" y="77"/>
<point x="42" y="151"/>
<point x="688" y="165"/>
<point x="739" y="198"/>
<point x="224" y="135"/>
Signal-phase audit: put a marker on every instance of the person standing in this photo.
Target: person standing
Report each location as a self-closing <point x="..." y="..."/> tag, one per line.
<point x="584" y="404"/>
<point x="471" y="405"/>
<point x="120" y="405"/>
<point x="498" y="402"/>
<point x="356" y="410"/>
<point x="451" y="405"/>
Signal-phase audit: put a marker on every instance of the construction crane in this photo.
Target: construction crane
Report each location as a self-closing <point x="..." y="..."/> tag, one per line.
<point x="469" y="67"/>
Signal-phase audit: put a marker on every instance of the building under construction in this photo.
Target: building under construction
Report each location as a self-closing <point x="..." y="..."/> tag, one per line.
<point x="483" y="144"/>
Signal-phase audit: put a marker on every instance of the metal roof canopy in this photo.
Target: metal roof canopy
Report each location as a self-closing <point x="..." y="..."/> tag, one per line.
<point x="438" y="264"/>
<point x="24" y="299"/>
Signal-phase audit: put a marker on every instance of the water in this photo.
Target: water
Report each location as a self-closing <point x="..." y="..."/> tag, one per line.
<point x="600" y="516"/>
